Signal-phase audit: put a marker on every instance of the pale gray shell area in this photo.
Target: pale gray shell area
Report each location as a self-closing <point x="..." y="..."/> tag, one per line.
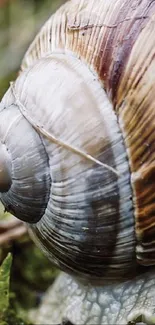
<point x="29" y="166"/>
<point x="88" y="224"/>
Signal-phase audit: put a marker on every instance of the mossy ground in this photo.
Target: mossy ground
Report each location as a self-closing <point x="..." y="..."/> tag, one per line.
<point x="8" y="315"/>
<point x="23" y="280"/>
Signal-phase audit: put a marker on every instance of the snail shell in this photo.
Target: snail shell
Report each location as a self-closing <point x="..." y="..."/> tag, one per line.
<point x="78" y="129"/>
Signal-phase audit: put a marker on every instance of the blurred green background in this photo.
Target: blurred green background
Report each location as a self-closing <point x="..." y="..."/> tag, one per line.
<point x="31" y="272"/>
<point x="20" y="20"/>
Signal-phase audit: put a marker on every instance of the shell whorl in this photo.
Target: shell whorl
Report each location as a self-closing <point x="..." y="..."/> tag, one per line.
<point x="29" y="172"/>
<point x="116" y="38"/>
<point x="88" y="78"/>
<point x="84" y="228"/>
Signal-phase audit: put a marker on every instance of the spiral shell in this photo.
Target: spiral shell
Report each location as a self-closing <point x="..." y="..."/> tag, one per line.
<point x="86" y="86"/>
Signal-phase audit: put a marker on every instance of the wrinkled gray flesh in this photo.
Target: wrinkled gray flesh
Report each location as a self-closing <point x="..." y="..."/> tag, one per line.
<point x="69" y="301"/>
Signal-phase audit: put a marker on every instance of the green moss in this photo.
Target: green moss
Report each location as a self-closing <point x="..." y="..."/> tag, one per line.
<point x="10" y="317"/>
<point x="35" y="274"/>
<point x="5" y="284"/>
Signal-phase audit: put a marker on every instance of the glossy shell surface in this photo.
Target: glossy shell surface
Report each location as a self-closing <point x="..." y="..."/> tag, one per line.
<point x="88" y="79"/>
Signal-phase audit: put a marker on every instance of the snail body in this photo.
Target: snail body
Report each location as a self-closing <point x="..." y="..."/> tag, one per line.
<point x="77" y="129"/>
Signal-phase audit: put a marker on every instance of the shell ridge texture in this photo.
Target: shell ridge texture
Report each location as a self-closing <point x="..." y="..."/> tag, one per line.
<point x="51" y="137"/>
<point x="86" y="89"/>
<point x="88" y="163"/>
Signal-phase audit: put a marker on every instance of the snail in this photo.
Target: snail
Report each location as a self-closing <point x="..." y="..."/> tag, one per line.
<point x="77" y="131"/>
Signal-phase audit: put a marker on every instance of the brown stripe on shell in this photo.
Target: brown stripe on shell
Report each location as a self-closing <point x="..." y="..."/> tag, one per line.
<point x="127" y="20"/>
<point x="136" y="110"/>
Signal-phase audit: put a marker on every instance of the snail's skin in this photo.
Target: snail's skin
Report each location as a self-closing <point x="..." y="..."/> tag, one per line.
<point x="117" y="303"/>
<point x="77" y="131"/>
